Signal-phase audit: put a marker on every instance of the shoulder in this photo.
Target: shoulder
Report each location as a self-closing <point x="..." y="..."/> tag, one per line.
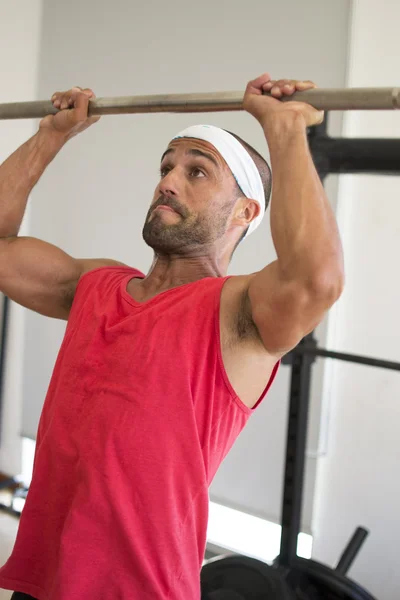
<point x="90" y="264"/>
<point x="106" y="267"/>
<point x="95" y="271"/>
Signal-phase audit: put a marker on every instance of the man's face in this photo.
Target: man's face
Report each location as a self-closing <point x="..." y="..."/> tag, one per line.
<point x="193" y="201"/>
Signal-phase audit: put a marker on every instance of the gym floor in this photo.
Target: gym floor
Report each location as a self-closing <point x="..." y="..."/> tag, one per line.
<point x="8" y="531"/>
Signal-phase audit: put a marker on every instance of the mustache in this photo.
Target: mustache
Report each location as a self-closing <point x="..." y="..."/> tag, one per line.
<point x="171" y="203"/>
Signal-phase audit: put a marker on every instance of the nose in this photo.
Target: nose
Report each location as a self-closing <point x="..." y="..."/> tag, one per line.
<point x="169" y="184"/>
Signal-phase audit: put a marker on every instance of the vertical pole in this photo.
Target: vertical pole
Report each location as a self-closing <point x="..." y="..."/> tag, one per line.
<point x="299" y="401"/>
<point x="295" y="453"/>
<point x="351" y="550"/>
<point x="3" y="342"/>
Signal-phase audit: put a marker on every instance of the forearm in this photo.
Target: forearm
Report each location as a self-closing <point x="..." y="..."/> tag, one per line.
<point x="303" y="225"/>
<point x="20" y="173"/>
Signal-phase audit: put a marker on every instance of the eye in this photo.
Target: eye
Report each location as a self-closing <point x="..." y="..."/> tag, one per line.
<point x="164" y="171"/>
<point x="196" y="172"/>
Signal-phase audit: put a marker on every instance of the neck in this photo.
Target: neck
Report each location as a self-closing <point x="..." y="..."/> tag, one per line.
<point x="168" y="272"/>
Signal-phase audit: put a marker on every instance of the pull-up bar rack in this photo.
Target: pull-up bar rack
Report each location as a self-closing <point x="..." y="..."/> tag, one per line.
<point x="331" y="156"/>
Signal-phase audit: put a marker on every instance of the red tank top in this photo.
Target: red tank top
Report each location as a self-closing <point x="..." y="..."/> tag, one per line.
<point x="138" y="416"/>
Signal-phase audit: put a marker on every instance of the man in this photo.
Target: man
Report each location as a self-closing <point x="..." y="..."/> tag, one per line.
<point x="158" y="374"/>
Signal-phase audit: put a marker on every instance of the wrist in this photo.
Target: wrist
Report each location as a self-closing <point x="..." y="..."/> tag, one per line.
<point x="285" y="123"/>
<point x="50" y="140"/>
<point x="41" y="150"/>
<point x="283" y="130"/>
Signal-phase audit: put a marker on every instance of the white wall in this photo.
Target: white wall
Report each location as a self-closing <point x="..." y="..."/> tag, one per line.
<point x="358" y="481"/>
<point x="19" y="49"/>
<point x="93" y="199"/>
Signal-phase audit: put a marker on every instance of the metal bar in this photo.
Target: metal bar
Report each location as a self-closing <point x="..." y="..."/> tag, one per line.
<point x="356" y="155"/>
<point x="3" y="344"/>
<point x="323" y="99"/>
<point x="353" y="358"/>
<point x="318" y="150"/>
<point x="351" y="550"/>
<point x="295" y="455"/>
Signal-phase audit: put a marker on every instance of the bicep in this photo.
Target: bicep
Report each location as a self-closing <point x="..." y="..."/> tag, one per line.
<point x="40" y="276"/>
<point x="284" y="311"/>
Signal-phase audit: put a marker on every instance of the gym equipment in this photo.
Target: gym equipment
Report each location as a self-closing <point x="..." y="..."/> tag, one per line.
<point x="4" y="310"/>
<point x="311" y="579"/>
<point x="243" y="578"/>
<point x="306" y="579"/>
<point x="322" y="99"/>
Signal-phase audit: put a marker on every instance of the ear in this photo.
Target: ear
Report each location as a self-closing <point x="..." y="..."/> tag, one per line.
<point x="246" y="211"/>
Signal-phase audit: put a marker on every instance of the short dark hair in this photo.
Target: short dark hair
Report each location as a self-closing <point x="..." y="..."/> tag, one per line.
<point x="264" y="170"/>
<point x="262" y="166"/>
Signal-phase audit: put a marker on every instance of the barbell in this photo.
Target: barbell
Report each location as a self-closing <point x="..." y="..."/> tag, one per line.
<point x="322" y="99"/>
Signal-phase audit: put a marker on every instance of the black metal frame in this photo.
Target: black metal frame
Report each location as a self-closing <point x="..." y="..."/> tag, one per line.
<point x="3" y="342"/>
<point x="336" y="156"/>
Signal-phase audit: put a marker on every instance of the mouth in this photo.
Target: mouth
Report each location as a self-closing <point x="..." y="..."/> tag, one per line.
<point x="164" y="207"/>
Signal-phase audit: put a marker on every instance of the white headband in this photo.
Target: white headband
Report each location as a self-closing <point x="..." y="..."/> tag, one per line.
<point x="239" y="161"/>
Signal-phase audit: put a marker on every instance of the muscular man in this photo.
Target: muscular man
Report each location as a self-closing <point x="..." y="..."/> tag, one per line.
<point x="158" y="374"/>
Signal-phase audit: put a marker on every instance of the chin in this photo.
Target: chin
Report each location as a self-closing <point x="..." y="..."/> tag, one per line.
<point x="177" y="238"/>
<point x="162" y="239"/>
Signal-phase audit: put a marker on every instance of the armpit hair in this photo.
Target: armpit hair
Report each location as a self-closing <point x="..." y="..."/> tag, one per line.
<point x="245" y="327"/>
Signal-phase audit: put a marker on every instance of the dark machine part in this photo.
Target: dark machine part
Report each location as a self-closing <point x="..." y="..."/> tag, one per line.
<point x="351" y="550"/>
<point x="3" y="346"/>
<point x="242" y="578"/>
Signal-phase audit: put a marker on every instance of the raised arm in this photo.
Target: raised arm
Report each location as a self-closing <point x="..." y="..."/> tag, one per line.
<point x="289" y="297"/>
<point x="34" y="273"/>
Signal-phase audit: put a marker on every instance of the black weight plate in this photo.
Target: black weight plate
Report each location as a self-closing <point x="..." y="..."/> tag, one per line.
<point x="242" y="577"/>
<point x="323" y="582"/>
<point x="224" y="595"/>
